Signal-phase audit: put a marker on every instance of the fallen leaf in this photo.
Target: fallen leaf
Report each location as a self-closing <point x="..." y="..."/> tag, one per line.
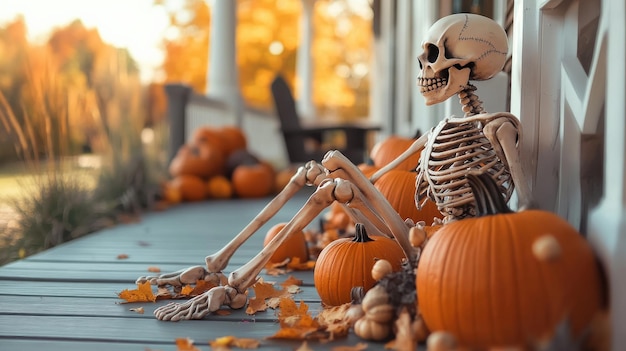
<point x="143" y="293"/>
<point x="226" y="342"/>
<point x="138" y="310"/>
<point x="262" y="291"/>
<point x="201" y="287"/>
<point x="185" y="344"/>
<point x="122" y="256"/>
<point x="186" y="290"/>
<point x="334" y="321"/>
<point x="291" y="280"/>
<point x="293" y="289"/>
<point x="296" y="265"/>
<point x="154" y="269"/>
<point x="295" y="321"/>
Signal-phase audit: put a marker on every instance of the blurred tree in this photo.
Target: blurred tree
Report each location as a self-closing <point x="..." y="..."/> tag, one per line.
<point x="74" y="79"/>
<point x="267" y="41"/>
<point x="186" y="43"/>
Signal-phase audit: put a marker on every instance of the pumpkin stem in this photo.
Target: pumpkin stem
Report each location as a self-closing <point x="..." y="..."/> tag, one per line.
<point x="488" y="198"/>
<point x="361" y="234"/>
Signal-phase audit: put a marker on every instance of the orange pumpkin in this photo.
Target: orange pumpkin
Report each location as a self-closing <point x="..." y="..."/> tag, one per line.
<point x="202" y="160"/>
<point x="398" y="187"/>
<point x="347" y="263"/>
<point x="389" y="149"/>
<point x="251" y="181"/>
<point x="227" y="138"/>
<point x="219" y="187"/>
<point x="479" y="279"/>
<point x="191" y="188"/>
<point x="294" y="246"/>
<point x="233" y="139"/>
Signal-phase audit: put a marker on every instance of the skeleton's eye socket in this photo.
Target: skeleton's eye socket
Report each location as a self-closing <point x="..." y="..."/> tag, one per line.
<point x="433" y="53"/>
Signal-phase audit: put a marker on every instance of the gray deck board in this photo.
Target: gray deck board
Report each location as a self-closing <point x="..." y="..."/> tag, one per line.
<point x="65" y="298"/>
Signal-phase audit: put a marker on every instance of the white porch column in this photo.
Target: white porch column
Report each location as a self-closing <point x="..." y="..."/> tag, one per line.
<point x="222" y="75"/>
<point x="304" y="63"/>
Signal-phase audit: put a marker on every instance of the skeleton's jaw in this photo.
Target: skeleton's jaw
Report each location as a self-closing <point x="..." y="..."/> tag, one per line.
<point x="441" y="86"/>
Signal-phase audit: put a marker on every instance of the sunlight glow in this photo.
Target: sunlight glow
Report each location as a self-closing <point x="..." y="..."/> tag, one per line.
<point x="137" y="25"/>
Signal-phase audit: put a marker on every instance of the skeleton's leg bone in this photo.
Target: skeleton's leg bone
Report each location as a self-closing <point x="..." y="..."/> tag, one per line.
<point x="183" y="277"/>
<point x="242" y="278"/>
<point x="310" y="174"/>
<point x="335" y="161"/>
<point x="505" y="139"/>
<point x="195" y="308"/>
<point x="417" y="146"/>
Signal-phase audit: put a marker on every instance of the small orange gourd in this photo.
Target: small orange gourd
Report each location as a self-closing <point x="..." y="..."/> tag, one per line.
<point x="294" y="246"/>
<point x="347" y="263"/>
<point x="479" y="279"/>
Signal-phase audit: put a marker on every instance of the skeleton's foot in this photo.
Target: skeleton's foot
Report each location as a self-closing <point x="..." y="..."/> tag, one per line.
<point x="201" y="305"/>
<point x="183" y="277"/>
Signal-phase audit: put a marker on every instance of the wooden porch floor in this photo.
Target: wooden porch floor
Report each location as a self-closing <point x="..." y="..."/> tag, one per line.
<point x="66" y="298"/>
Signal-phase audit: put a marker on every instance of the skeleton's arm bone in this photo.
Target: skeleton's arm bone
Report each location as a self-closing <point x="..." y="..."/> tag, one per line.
<point x="505" y="138"/>
<point x="242" y="278"/>
<point x="310" y="174"/>
<point x="417" y="146"/>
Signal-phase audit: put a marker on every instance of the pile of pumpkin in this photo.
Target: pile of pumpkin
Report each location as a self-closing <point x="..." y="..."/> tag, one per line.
<point x="216" y="164"/>
<point x="501" y="279"/>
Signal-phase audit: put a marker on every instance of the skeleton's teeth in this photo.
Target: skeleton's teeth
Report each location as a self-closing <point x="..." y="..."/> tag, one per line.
<point x="429" y="84"/>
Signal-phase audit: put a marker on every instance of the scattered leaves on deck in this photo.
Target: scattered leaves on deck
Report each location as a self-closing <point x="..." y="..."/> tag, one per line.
<point x="143" y="293"/>
<point x="122" y="256"/>
<point x="154" y="269"/>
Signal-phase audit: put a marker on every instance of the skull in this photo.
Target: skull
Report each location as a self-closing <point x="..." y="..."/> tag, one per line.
<point x="458" y="48"/>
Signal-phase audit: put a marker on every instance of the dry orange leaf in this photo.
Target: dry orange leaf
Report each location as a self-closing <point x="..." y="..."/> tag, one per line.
<point x="231" y="341"/>
<point x="262" y="291"/>
<point x="122" y="256"/>
<point x="201" y="287"/>
<point x="186" y="290"/>
<point x="295" y="321"/>
<point x="143" y="293"/>
<point x="222" y="312"/>
<point x="296" y="265"/>
<point x="154" y="269"/>
<point x="185" y="344"/>
<point x="291" y="280"/>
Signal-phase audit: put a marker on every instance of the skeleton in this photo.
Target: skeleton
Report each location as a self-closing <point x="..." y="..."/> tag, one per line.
<point x="457" y="48"/>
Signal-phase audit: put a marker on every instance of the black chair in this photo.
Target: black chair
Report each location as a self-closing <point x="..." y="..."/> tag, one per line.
<point x="299" y="138"/>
